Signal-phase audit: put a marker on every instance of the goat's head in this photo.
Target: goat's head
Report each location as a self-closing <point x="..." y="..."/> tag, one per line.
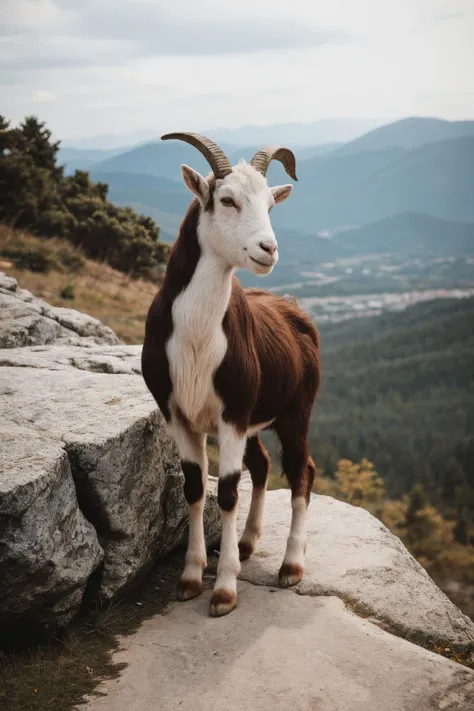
<point x="236" y="202"/>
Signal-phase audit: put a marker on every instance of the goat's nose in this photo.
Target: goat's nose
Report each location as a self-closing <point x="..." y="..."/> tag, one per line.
<point x="269" y="246"/>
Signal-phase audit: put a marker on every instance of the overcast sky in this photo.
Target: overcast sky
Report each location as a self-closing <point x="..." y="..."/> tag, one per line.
<point x="114" y="66"/>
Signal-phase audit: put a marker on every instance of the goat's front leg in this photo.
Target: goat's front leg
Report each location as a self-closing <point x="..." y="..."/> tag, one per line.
<point x="192" y="450"/>
<point x="231" y="454"/>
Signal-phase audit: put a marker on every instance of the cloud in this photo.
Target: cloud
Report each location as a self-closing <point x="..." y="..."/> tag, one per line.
<point x="74" y="34"/>
<point x="44" y="97"/>
<point x="122" y="65"/>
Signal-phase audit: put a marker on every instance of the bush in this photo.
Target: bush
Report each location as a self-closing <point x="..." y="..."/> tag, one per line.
<point x="35" y="258"/>
<point x="70" y="259"/>
<point x="67" y="292"/>
<point x="38" y="255"/>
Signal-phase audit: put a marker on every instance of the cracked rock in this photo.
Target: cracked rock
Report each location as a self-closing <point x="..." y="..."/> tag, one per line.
<point x="48" y="550"/>
<point x="27" y="321"/>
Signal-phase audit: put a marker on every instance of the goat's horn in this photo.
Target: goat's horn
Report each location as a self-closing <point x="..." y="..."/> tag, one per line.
<point x="264" y="157"/>
<point x="214" y="155"/>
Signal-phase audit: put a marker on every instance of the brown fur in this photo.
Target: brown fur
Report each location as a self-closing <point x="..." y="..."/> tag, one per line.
<point x="193" y="485"/>
<point x="227" y="491"/>
<point x="257" y="461"/>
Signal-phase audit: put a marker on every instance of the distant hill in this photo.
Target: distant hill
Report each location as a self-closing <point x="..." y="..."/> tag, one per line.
<point x="409" y="133"/>
<point x="168" y="195"/>
<point x="347" y="191"/>
<point x="410" y="234"/>
<point x="301" y="134"/>
<point x="83" y="159"/>
<point x="158" y="158"/>
<point x="295" y="134"/>
<point x="304" y="153"/>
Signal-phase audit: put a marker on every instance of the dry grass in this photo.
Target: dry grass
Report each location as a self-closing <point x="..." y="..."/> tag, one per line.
<point x="105" y="293"/>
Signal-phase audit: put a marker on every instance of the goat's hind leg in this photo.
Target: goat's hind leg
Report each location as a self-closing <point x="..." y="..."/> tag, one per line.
<point x="299" y="470"/>
<point x="192" y="450"/>
<point x="258" y="462"/>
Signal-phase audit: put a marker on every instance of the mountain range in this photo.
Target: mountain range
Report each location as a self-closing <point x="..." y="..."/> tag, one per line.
<point x="405" y="186"/>
<point x="410" y="234"/>
<point x="303" y="134"/>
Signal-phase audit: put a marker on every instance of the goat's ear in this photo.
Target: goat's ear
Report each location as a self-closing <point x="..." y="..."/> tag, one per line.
<point x="195" y="183"/>
<point x="281" y="192"/>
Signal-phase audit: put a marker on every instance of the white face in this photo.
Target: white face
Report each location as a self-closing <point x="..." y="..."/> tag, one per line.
<point x="238" y="227"/>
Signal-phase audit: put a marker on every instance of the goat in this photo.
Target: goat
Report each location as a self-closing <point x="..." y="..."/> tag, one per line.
<point x="230" y="362"/>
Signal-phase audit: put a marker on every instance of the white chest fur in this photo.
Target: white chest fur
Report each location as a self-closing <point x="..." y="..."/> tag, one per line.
<point x="198" y="343"/>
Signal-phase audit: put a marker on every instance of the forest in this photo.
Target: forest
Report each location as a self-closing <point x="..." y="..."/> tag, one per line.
<point x="35" y="194"/>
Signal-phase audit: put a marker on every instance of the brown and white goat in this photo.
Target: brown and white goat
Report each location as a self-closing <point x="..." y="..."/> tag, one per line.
<point x="230" y="362"/>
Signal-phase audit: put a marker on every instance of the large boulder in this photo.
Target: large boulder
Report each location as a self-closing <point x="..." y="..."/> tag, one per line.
<point x="81" y="426"/>
<point x="26" y="320"/>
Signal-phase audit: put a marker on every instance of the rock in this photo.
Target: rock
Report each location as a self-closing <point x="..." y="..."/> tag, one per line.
<point x="48" y="550"/>
<point x="352" y="555"/>
<point x="277" y="652"/>
<point x="26" y="321"/>
<point x="88" y="408"/>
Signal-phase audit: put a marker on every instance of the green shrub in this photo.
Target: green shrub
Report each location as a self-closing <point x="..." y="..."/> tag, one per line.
<point x="35" y="258"/>
<point x="69" y="259"/>
<point x="67" y="292"/>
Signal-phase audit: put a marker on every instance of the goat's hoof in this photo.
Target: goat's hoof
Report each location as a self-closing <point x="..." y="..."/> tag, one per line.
<point x="222" y="602"/>
<point x="187" y="589"/>
<point x="245" y="550"/>
<point x="290" y="574"/>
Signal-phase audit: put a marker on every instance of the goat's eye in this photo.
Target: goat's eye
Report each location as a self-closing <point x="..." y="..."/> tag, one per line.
<point x="228" y="202"/>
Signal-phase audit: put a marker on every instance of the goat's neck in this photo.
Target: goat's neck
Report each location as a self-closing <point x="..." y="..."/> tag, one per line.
<point x="198" y="283"/>
<point x="203" y="303"/>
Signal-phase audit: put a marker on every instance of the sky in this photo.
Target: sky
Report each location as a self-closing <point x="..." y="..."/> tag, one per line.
<point x="115" y="66"/>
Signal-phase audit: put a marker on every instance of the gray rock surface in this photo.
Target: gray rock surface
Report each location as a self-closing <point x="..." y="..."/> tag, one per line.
<point x="88" y="410"/>
<point x="26" y="320"/>
<point x="278" y="651"/>
<point x="352" y="555"/>
<point x="48" y="550"/>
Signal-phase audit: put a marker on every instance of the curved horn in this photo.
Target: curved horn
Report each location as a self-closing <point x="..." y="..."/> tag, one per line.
<point x="214" y="155"/>
<point x="264" y="157"/>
